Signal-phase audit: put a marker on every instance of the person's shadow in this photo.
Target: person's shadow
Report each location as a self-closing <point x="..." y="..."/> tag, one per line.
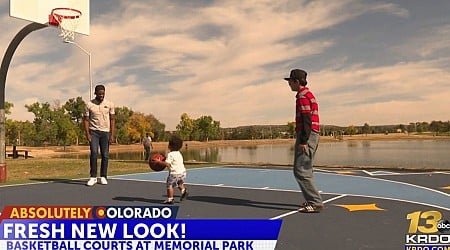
<point x="60" y="180"/>
<point x="138" y="199"/>
<point x="219" y="200"/>
<point x="243" y="202"/>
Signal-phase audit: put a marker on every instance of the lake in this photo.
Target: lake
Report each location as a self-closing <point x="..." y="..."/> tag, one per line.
<point x="431" y="154"/>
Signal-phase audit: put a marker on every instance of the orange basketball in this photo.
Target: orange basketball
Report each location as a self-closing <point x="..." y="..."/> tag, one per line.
<point x="156" y="162"/>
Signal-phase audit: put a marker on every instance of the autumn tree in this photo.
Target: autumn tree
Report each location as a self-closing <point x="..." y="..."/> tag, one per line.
<point x="137" y="126"/>
<point x="122" y="115"/>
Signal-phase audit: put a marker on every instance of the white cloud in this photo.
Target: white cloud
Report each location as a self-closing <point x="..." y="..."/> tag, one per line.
<point x="393" y="94"/>
<point x="227" y="59"/>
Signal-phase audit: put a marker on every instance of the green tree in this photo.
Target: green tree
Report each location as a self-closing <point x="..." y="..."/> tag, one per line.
<point x="156" y="127"/>
<point x="447" y="127"/>
<point x="251" y="132"/>
<point x="66" y="131"/>
<point x="437" y="127"/>
<point x="291" y="129"/>
<point x="75" y="108"/>
<point x="351" y="130"/>
<point x="122" y="116"/>
<point x="411" y="127"/>
<point x="366" y="129"/>
<point x="422" y="127"/>
<point x="12" y="132"/>
<point x="43" y="130"/>
<point x="201" y="129"/>
<point x="19" y="132"/>
<point x="185" y="127"/>
<point x="8" y="107"/>
<point x="401" y="128"/>
<point x="52" y="125"/>
<point x="206" y="128"/>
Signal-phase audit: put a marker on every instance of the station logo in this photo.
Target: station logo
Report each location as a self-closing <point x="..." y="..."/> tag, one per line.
<point x="428" y="230"/>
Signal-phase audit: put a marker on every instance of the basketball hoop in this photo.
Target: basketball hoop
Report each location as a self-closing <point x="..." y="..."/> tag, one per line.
<point x="67" y="20"/>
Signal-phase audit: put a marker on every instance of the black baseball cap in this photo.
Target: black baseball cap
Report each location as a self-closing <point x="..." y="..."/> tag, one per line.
<point x="297" y="74"/>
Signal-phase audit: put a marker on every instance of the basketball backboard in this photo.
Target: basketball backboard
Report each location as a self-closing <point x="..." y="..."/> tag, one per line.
<point x="39" y="11"/>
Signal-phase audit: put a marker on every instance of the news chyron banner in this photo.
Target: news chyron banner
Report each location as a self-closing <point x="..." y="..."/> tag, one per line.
<point x="128" y="228"/>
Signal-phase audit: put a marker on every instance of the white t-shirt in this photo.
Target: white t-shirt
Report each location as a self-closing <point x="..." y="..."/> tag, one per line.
<point x="99" y="114"/>
<point x="175" y="159"/>
<point x="147" y="141"/>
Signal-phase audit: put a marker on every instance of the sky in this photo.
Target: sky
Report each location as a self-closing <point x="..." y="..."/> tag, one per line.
<point x="368" y="61"/>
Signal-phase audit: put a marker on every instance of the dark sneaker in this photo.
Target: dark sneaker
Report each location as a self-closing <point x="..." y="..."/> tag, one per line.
<point x="310" y="208"/>
<point x="168" y="202"/>
<point x="184" y="195"/>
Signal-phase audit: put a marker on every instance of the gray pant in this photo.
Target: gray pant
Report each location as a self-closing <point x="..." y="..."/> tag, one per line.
<point x="303" y="169"/>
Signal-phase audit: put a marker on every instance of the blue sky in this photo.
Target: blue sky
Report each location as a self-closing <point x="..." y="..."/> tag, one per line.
<point x="375" y="62"/>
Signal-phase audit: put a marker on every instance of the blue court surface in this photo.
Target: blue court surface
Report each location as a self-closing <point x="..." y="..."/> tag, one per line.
<point x="364" y="209"/>
<point x="328" y="182"/>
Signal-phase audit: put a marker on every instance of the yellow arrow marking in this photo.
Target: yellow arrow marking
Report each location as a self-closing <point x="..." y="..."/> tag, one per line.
<point x="344" y="172"/>
<point x="447" y="187"/>
<point x="362" y="207"/>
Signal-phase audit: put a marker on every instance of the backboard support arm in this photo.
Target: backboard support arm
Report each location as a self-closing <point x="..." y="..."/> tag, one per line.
<point x="3" y="72"/>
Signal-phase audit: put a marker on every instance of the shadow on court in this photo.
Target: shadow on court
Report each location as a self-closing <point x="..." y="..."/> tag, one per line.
<point x="242" y="202"/>
<point x="66" y="181"/>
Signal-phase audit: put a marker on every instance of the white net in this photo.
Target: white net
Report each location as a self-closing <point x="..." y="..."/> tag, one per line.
<point x="68" y="20"/>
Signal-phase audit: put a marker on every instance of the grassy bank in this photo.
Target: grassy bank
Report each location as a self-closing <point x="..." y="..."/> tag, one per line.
<point x="32" y="170"/>
<point x="37" y="170"/>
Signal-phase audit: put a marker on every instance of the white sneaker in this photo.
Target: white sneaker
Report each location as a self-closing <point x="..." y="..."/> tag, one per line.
<point x="103" y="181"/>
<point x="91" y="181"/>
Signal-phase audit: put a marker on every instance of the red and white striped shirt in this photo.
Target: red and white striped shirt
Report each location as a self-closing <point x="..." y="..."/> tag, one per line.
<point x="307" y="114"/>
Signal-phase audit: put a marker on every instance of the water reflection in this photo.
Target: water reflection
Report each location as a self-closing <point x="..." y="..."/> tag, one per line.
<point x="420" y="153"/>
<point x="206" y="155"/>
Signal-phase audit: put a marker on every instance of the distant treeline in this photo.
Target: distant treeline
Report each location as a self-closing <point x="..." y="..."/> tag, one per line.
<point x="61" y="124"/>
<point x="288" y="131"/>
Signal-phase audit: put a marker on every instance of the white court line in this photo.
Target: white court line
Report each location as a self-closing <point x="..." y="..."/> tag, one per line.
<point x="395" y="199"/>
<point x="388" y="173"/>
<point x="296" y="211"/>
<point x="367" y="172"/>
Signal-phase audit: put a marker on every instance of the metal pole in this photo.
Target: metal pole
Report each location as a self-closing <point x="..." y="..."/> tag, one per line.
<point x="90" y="74"/>
<point x="3" y="72"/>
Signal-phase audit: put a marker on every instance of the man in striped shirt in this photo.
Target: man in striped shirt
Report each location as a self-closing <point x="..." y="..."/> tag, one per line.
<point x="307" y="130"/>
